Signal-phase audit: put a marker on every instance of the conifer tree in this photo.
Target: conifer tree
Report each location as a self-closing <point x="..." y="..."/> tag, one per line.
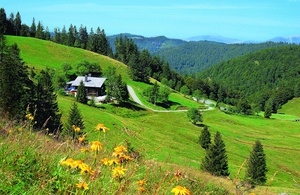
<point x="81" y="94"/>
<point x="74" y="118"/>
<point x="47" y="115"/>
<point x="15" y="85"/>
<point x="83" y="37"/>
<point x="40" y="31"/>
<point x="257" y="166"/>
<point x="2" y="21"/>
<point x="215" y="161"/>
<point x="204" y="139"/>
<point x="18" y="23"/>
<point x="33" y="28"/>
<point x="64" y="36"/>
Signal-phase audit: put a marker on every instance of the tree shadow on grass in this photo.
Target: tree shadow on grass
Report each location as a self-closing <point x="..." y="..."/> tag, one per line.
<point x="130" y="105"/>
<point x="199" y="125"/>
<point x="167" y="104"/>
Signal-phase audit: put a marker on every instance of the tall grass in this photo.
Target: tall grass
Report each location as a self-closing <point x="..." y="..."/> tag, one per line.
<point x="34" y="163"/>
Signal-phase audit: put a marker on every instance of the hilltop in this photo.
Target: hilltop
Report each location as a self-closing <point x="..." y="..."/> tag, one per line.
<point x="262" y="75"/>
<point x="152" y="44"/>
<point x="169" y="138"/>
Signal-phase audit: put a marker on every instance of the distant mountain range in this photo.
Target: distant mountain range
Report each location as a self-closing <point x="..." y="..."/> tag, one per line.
<point x="291" y="39"/>
<point x="198" y="53"/>
<point x="219" y="39"/>
<point x="154" y="44"/>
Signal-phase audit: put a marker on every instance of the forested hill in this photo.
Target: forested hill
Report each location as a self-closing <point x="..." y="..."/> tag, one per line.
<point x="152" y="44"/>
<point x="192" y="57"/>
<point x="261" y="75"/>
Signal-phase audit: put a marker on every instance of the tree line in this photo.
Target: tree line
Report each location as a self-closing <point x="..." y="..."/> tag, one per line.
<point x="80" y="38"/>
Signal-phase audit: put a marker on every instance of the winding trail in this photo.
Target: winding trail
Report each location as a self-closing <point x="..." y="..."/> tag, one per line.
<point x="137" y="100"/>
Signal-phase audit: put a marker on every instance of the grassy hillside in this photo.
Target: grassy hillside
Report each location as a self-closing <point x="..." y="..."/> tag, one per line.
<point x="40" y="54"/>
<point x="291" y="108"/>
<point x="169" y="138"/>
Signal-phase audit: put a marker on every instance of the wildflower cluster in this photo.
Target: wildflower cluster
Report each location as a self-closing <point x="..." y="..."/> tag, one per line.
<point x="29" y="117"/>
<point x="77" y="164"/>
<point x="116" y="167"/>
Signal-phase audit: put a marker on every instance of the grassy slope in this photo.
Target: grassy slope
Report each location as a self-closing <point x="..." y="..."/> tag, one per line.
<point x="169" y="137"/>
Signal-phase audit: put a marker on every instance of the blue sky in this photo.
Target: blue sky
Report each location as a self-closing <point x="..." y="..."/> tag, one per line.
<point x="242" y="19"/>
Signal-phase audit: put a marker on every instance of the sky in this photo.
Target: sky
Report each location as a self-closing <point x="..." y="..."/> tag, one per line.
<point x="257" y="20"/>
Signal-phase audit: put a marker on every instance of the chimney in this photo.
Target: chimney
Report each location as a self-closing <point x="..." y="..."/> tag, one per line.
<point x="86" y="78"/>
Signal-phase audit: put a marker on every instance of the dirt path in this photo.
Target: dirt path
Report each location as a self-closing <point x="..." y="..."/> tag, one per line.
<point x="137" y="100"/>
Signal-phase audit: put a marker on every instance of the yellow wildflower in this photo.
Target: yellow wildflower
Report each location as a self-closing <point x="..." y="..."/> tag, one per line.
<point x="105" y="161"/>
<point x="80" y="139"/>
<point x="113" y="162"/>
<point x="101" y="127"/>
<point x="76" y="129"/>
<point x="120" y="149"/>
<point x="86" y="169"/>
<point x="20" y="129"/>
<point x="68" y="162"/>
<point x="141" y="182"/>
<point x="97" y="146"/>
<point x="10" y="131"/>
<point x="82" y="185"/>
<point x="251" y="194"/>
<point x="29" y="117"/>
<point x="79" y="164"/>
<point x="117" y="154"/>
<point x="179" y="190"/>
<point x="118" y="172"/>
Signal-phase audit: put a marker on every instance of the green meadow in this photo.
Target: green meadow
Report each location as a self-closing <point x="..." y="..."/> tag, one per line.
<point x="169" y="138"/>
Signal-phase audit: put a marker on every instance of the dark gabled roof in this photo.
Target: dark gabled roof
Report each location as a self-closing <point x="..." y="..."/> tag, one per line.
<point x="96" y="82"/>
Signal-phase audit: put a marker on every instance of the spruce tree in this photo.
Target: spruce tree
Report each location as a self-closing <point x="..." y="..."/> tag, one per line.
<point x="204" y="139"/>
<point x="33" y="28"/>
<point x="215" y="161"/>
<point x="81" y="94"/>
<point x="15" y="85"/>
<point x="47" y="115"/>
<point x="74" y="118"/>
<point x="257" y="166"/>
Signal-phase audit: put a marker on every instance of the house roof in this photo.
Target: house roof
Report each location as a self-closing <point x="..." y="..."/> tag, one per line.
<point x="96" y="82"/>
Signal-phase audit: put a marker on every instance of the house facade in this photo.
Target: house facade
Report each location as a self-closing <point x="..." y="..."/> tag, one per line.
<point x="95" y="86"/>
